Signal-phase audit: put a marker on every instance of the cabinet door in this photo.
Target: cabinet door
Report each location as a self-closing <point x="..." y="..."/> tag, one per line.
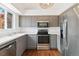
<point x="32" y="41"/>
<point x="53" y="41"/>
<point x="25" y="21"/>
<point x="21" y="45"/>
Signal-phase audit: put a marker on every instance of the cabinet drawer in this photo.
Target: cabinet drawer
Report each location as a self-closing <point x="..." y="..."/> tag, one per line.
<point x="53" y="36"/>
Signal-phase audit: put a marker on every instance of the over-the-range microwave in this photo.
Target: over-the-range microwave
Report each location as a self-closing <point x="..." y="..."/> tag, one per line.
<point x="42" y="24"/>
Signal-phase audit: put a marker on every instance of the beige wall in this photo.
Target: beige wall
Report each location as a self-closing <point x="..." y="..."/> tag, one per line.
<point x="30" y="21"/>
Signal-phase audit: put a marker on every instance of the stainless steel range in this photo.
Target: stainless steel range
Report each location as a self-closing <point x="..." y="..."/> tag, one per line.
<point x="43" y="36"/>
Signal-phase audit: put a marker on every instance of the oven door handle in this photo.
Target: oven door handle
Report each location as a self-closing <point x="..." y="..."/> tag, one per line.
<point x="43" y="35"/>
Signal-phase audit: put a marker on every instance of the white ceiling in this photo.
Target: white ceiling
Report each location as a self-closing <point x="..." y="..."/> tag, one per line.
<point x="35" y="9"/>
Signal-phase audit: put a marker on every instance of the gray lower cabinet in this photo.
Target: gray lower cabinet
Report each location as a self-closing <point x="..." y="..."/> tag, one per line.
<point x="53" y="41"/>
<point x="21" y="45"/>
<point x="32" y="41"/>
<point x="8" y="49"/>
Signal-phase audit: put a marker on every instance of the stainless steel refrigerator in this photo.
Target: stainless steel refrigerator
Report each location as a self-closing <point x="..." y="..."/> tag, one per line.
<point x="70" y="32"/>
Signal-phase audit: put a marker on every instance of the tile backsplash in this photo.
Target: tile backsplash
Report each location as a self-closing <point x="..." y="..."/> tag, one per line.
<point x="4" y="32"/>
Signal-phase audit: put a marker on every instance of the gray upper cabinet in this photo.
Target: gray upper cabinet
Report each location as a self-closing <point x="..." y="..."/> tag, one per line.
<point x="32" y="41"/>
<point x="24" y="22"/>
<point x="53" y="41"/>
<point x="31" y="21"/>
<point x="54" y="22"/>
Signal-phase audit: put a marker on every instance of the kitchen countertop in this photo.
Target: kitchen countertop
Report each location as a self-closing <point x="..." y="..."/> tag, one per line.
<point x="8" y="38"/>
<point x="26" y="31"/>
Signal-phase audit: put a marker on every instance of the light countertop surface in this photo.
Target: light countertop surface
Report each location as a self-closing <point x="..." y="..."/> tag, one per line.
<point x="26" y="31"/>
<point x="8" y="38"/>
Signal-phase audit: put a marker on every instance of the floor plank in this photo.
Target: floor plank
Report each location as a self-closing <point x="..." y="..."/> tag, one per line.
<point x="53" y="52"/>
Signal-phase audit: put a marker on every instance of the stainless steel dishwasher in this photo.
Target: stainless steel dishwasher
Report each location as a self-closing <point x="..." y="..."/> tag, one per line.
<point x="8" y="49"/>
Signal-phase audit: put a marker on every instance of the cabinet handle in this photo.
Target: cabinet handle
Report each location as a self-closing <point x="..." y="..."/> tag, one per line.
<point x="9" y="46"/>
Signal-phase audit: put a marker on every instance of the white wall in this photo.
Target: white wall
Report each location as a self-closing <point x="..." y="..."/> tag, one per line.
<point x="4" y="32"/>
<point x="15" y="23"/>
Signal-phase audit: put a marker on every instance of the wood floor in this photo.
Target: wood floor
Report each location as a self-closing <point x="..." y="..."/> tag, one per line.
<point x="53" y="52"/>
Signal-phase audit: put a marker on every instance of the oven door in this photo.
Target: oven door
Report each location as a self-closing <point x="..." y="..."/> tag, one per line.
<point x="43" y="39"/>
